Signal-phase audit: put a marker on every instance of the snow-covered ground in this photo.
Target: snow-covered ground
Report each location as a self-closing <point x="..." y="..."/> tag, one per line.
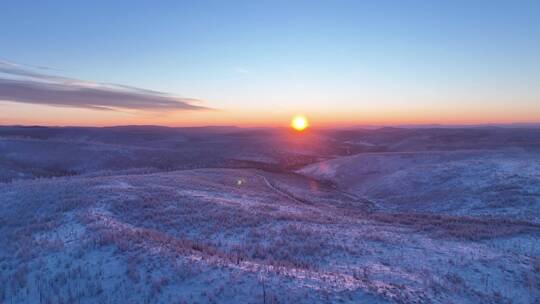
<point x="486" y="183"/>
<point x="437" y="226"/>
<point x="200" y="235"/>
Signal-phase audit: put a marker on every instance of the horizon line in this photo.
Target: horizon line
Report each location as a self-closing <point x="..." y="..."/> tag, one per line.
<point x="406" y="125"/>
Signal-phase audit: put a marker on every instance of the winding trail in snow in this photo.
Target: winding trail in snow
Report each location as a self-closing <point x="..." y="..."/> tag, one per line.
<point x="281" y="192"/>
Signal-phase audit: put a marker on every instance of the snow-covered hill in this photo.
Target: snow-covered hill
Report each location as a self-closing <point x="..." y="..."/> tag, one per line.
<point x="225" y="235"/>
<point x="378" y="226"/>
<point x="488" y="183"/>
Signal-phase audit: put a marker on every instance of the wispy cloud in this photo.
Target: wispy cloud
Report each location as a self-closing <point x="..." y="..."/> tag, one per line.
<point x="240" y="71"/>
<point x="22" y="84"/>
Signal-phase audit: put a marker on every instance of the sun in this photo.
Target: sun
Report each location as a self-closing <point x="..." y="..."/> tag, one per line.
<point x="299" y="123"/>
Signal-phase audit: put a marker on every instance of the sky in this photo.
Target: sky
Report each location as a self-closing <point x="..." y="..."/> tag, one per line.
<point x="259" y="63"/>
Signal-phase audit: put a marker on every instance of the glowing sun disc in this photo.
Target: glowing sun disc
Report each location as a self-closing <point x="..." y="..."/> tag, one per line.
<point x="299" y="123"/>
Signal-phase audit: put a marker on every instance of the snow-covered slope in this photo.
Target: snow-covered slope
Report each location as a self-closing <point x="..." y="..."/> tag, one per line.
<point x="419" y="216"/>
<point x="230" y="236"/>
<point x="489" y="183"/>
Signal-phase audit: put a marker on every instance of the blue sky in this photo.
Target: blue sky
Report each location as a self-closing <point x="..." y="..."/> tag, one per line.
<point x="260" y="62"/>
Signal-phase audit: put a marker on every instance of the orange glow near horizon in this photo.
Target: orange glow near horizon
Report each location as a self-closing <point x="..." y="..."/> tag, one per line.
<point x="30" y="114"/>
<point x="299" y="123"/>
